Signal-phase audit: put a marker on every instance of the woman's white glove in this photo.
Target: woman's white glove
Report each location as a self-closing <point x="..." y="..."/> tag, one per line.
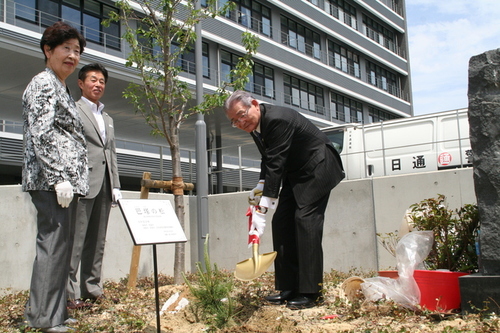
<point x="64" y="192"/>
<point x="117" y="195"/>
<point x="258" y="223"/>
<point x="256" y="194"/>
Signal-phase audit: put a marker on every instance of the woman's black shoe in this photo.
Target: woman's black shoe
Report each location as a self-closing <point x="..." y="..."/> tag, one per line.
<point x="305" y="301"/>
<point x="280" y="298"/>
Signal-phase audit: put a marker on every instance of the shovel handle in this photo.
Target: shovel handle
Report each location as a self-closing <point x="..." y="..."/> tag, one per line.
<point x="252" y="239"/>
<point x="256" y="259"/>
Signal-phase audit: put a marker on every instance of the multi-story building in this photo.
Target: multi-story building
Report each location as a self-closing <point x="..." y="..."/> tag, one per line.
<point x="335" y="61"/>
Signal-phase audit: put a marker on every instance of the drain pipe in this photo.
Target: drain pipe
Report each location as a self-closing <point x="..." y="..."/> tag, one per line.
<point x="201" y="148"/>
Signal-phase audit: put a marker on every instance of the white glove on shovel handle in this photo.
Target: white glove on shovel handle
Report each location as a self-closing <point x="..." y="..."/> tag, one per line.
<point x="64" y="192"/>
<point x="258" y="223"/>
<point x="256" y="194"/>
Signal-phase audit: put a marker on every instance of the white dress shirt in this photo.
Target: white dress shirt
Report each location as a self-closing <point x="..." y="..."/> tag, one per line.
<point x="97" y="111"/>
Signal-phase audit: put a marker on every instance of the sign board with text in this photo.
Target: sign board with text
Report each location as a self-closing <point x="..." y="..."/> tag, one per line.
<point x="151" y="221"/>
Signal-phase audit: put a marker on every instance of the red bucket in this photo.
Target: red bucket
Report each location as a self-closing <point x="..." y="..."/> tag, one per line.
<point x="439" y="290"/>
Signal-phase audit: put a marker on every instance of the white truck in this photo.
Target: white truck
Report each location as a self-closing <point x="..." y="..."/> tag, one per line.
<point x="417" y="144"/>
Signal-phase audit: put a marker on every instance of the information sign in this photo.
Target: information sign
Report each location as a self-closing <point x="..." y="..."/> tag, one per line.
<point x="151" y="221"/>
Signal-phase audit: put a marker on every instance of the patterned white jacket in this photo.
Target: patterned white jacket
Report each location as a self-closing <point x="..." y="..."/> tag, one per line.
<point x="55" y="149"/>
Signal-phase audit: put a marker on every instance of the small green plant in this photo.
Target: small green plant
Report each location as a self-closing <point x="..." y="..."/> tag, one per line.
<point x="131" y="320"/>
<point x="455" y="233"/>
<point x="213" y="294"/>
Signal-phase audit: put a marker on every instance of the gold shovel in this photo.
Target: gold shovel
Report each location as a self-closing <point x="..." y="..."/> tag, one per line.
<point x="254" y="267"/>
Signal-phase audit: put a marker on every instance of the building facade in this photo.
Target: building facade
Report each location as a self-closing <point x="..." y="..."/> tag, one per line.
<point x="335" y="61"/>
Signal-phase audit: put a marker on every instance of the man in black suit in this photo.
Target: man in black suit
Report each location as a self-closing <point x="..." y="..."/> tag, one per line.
<point x="300" y="159"/>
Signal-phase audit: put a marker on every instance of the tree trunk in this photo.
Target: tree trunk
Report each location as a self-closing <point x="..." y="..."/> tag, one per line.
<point x="179" y="263"/>
<point x="178" y="190"/>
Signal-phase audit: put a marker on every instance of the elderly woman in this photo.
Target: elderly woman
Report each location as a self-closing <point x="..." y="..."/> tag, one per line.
<point x="55" y="174"/>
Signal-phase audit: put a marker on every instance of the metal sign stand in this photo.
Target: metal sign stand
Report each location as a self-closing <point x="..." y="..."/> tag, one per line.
<point x="152" y="222"/>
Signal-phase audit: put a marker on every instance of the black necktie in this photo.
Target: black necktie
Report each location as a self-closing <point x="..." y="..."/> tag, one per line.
<point x="260" y="142"/>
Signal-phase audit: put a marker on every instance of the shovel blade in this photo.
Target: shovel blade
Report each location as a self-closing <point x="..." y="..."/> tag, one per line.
<point x="252" y="268"/>
<point x="249" y="269"/>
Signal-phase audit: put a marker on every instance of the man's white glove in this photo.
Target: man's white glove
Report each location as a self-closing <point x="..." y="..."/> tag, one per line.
<point x="258" y="223"/>
<point x="64" y="192"/>
<point x="256" y="194"/>
<point x="117" y="195"/>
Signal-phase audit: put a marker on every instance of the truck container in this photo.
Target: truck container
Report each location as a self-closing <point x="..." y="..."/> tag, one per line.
<point x="428" y="142"/>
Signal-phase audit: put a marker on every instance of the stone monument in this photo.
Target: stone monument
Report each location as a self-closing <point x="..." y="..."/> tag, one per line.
<point x="480" y="291"/>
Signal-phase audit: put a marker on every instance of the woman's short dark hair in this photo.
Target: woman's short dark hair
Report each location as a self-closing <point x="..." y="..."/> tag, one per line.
<point x="82" y="75"/>
<point x="58" y="33"/>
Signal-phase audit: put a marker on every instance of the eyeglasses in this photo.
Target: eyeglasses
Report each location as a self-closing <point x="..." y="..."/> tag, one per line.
<point x="240" y="117"/>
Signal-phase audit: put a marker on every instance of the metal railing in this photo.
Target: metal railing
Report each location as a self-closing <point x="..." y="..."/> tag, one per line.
<point x="394" y="5"/>
<point x="352" y="22"/>
<point x="251" y="23"/>
<point x="238" y="173"/>
<point x="381" y="39"/>
<point x="9" y="15"/>
<point x="36" y="20"/>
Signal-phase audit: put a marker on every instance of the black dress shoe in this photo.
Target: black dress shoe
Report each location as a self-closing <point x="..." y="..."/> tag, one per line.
<point x="280" y="298"/>
<point x="305" y="301"/>
<point x="77" y="304"/>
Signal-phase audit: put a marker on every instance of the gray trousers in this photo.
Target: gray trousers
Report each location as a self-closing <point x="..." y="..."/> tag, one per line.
<point x="88" y="246"/>
<point x="46" y="306"/>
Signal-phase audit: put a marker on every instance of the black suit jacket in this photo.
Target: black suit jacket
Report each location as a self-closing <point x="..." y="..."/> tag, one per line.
<point x="292" y="147"/>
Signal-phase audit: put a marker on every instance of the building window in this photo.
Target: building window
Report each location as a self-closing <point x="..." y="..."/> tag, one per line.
<point x="343" y="59"/>
<point x="261" y="81"/>
<point x="382" y="78"/>
<point x="342" y="11"/>
<point x="375" y="115"/>
<point x="395" y="5"/>
<point x="11" y="126"/>
<point x="345" y="109"/>
<point x="303" y="94"/>
<point x="300" y="38"/>
<point x="86" y="15"/>
<point x="26" y="10"/>
<point x="252" y="15"/>
<point x="187" y="61"/>
<point x="379" y="33"/>
<point x="339" y="9"/>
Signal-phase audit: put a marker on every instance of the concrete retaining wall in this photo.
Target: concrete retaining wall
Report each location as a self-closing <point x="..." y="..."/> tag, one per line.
<point x="357" y="211"/>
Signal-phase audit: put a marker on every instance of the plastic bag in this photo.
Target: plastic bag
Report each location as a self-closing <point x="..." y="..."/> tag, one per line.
<point x="411" y="251"/>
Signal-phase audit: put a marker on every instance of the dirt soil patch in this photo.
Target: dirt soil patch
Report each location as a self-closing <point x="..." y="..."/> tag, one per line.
<point x="128" y="311"/>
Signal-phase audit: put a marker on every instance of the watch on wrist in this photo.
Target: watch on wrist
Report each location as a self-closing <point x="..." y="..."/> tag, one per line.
<point x="261" y="209"/>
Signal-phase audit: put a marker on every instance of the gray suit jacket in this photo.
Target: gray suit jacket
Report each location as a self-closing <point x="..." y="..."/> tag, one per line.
<point x="101" y="155"/>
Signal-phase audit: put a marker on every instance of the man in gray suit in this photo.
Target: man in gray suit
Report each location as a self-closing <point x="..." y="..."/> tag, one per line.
<point x="300" y="165"/>
<point x="104" y="190"/>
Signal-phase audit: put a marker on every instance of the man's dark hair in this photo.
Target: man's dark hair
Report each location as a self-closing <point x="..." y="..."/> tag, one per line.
<point x="82" y="74"/>
<point x="58" y="33"/>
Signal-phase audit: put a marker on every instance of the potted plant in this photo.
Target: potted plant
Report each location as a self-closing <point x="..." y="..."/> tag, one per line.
<point x="453" y="252"/>
<point x="455" y="234"/>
